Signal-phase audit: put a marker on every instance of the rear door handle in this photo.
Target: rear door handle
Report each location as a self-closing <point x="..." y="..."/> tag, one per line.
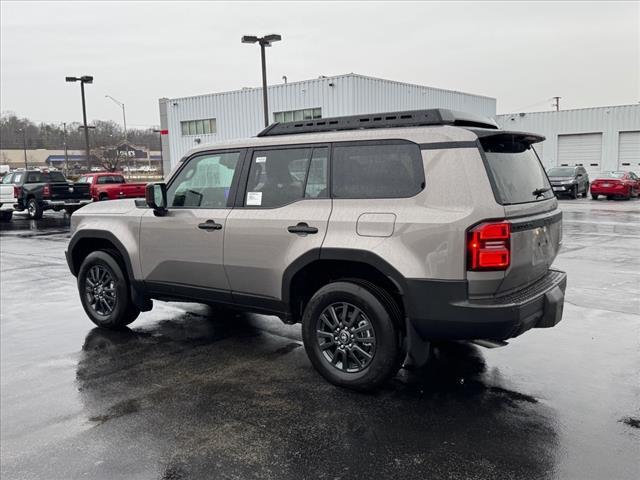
<point x="210" y="225"/>
<point x="302" y="229"/>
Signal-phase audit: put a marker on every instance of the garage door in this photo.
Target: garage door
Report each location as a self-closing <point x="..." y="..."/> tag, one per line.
<point x="629" y="151"/>
<point x="584" y="149"/>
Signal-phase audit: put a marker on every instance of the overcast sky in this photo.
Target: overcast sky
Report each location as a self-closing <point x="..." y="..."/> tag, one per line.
<point x="521" y="53"/>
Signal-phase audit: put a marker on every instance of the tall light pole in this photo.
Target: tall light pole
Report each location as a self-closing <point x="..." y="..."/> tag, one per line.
<point x="124" y="116"/>
<point x="84" y="79"/>
<point x="66" y="153"/>
<point x="23" y="131"/>
<point x="265" y="41"/>
<point x="161" y="132"/>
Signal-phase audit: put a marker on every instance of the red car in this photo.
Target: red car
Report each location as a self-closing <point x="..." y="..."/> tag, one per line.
<point x="616" y="184"/>
<point x="111" y="186"/>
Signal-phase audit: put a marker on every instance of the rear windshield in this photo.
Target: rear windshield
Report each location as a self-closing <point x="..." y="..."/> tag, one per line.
<point x="111" y="179"/>
<point x="43" y="177"/>
<point x="516" y="171"/>
<point x="611" y="175"/>
<point x="562" y="171"/>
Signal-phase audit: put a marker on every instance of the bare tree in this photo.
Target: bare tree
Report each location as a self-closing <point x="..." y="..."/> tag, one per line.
<point x="110" y="158"/>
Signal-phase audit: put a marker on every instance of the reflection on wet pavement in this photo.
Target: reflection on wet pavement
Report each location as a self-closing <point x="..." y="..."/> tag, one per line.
<point x="190" y="392"/>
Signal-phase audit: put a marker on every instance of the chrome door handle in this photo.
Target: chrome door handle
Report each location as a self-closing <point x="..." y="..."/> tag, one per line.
<point x="210" y="225"/>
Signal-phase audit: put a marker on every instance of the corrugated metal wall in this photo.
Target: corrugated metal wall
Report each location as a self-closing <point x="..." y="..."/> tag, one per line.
<point x="609" y="121"/>
<point x="239" y="113"/>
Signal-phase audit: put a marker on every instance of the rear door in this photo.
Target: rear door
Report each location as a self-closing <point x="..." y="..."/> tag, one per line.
<point x="521" y="185"/>
<point x="182" y="251"/>
<point x="281" y="214"/>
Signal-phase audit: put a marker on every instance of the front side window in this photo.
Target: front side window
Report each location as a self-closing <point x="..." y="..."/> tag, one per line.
<point x="204" y="182"/>
<point x="388" y="170"/>
<point x="277" y="177"/>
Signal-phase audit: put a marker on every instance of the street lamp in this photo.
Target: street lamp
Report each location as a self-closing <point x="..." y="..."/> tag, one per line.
<point x="265" y="41"/>
<point x="84" y="79"/>
<point x="124" y="117"/>
<point x="23" y="131"/>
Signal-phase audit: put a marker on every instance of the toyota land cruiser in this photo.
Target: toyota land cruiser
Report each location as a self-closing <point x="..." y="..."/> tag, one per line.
<point x="379" y="233"/>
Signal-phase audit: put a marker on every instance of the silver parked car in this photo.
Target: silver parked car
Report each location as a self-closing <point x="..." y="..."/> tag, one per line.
<point x="379" y="233"/>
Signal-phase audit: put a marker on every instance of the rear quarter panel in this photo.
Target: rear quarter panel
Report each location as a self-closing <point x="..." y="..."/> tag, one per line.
<point x="428" y="239"/>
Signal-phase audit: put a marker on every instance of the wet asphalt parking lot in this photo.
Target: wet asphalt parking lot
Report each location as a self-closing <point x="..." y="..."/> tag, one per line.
<point x="193" y="393"/>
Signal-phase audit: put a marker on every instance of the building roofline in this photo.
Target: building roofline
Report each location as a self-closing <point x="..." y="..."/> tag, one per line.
<point x="322" y="79"/>
<point x="569" y="109"/>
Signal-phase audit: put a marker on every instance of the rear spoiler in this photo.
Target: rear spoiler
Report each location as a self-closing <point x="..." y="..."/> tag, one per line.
<point x="524" y="137"/>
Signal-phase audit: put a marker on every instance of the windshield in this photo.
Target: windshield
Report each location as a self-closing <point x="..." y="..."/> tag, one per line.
<point x="518" y="175"/>
<point x="562" y="172"/>
<point x="611" y="175"/>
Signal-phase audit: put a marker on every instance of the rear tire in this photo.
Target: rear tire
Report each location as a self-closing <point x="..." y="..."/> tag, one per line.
<point x="104" y="291"/>
<point x="594" y="196"/>
<point x="357" y="346"/>
<point x="609" y="197"/>
<point x="34" y="209"/>
<point x="586" y="191"/>
<point x="5" y="215"/>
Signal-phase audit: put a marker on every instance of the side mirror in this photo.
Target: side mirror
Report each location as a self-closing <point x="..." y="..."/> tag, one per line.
<point x="156" y="197"/>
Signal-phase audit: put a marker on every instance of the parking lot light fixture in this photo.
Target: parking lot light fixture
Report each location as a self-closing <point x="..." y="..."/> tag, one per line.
<point x="265" y="41"/>
<point x="83" y="79"/>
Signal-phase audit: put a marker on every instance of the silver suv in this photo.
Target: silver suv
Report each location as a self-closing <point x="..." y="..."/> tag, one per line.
<point x="379" y="233"/>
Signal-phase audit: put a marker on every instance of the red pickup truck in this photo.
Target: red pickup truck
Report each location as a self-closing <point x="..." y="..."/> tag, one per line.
<point x="111" y="186"/>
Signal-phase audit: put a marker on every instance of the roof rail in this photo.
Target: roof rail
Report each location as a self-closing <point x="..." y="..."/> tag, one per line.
<point x="411" y="118"/>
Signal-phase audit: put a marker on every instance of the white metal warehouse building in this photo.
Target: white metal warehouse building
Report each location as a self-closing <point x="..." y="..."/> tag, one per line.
<point x="599" y="139"/>
<point x="205" y="119"/>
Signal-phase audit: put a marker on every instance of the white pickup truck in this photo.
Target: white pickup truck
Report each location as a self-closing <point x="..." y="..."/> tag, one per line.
<point x="7" y="198"/>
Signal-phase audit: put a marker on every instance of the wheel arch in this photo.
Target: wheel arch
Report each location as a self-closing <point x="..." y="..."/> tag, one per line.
<point x="318" y="267"/>
<point x="86" y="241"/>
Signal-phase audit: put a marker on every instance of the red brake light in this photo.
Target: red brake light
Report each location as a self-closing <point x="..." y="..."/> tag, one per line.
<point x="488" y="246"/>
<point x="17" y="191"/>
<point x="46" y="191"/>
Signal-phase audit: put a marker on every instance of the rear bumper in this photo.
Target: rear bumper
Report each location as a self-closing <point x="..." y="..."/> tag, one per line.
<point x="442" y="310"/>
<point x="609" y="190"/>
<point x="65" y="203"/>
<point x="7" y="205"/>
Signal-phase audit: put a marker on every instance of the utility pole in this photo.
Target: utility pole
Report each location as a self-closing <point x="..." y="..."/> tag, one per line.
<point x="557" y="103"/>
<point x="24" y="144"/>
<point x="64" y="142"/>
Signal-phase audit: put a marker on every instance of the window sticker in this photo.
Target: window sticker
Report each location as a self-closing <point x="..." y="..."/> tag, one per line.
<point x="254" y="198"/>
<point x="261" y="159"/>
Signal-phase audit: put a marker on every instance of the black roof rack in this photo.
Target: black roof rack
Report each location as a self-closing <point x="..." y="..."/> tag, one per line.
<point x="411" y="118"/>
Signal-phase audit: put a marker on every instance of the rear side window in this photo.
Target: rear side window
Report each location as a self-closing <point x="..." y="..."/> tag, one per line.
<point x="279" y="177"/>
<point x="388" y="170"/>
<point x="43" y="177"/>
<point x="7" y="178"/>
<point x="517" y="174"/>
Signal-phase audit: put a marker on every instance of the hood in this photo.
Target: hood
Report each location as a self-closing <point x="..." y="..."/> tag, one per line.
<point x="561" y="179"/>
<point x="109" y="207"/>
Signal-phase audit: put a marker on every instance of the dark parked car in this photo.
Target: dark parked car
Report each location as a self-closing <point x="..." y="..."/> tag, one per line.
<point x="616" y="184"/>
<point x="40" y="190"/>
<point x="571" y="181"/>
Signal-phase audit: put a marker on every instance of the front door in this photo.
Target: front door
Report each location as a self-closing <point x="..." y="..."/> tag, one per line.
<point x="181" y="252"/>
<point x="284" y="214"/>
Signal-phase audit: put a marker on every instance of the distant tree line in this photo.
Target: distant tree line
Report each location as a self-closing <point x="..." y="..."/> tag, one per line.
<point x="52" y="136"/>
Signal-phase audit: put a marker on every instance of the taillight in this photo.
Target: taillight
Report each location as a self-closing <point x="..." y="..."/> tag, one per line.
<point x="17" y="191"/>
<point x="46" y="190"/>
<point x="488" y="246"/>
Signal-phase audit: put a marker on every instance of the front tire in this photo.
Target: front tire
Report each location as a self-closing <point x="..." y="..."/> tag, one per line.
<point x="594" y="196"/>
<point x="586" y="191"/>
<point x="350" y="337"/>
<point x="104" y="291"/>
<point x="34" y="209"/>
<point x="574" y="192"/>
